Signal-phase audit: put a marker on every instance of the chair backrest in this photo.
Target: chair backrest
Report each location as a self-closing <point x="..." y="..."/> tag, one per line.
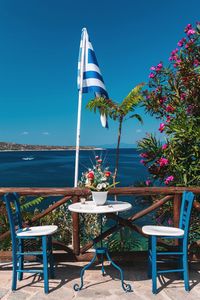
<point x="14" y="213"/>
<point x="186" y="208"/>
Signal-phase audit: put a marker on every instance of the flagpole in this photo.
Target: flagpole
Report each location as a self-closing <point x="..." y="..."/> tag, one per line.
<point x="78" y="130"/>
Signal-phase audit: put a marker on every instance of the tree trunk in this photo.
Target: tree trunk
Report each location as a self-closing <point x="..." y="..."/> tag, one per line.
<point x="118" y="149"/>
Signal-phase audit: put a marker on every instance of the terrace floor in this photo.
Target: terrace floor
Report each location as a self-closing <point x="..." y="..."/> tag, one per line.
<point x="99" y="287"/>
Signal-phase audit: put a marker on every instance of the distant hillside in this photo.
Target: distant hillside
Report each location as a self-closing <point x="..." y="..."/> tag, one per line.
<point x="26" y="147"/>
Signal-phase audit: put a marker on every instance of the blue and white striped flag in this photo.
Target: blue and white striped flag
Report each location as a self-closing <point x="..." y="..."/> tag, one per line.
<point x="89" y="74"/>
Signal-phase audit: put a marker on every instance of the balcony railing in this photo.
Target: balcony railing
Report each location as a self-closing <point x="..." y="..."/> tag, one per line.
<point x="173" y="194"/>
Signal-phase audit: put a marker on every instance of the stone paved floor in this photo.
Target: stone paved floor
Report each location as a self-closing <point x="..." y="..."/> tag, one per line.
<point x="98" y="287"/>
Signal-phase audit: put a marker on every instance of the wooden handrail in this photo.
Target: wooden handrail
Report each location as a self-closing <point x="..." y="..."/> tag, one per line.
<point x="123" y="191"/>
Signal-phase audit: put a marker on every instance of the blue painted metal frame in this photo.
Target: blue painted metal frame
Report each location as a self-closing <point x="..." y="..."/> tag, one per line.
<point x="103" y="251"/>
<point x="15" y="219"/>
<point x="186" y="207"/>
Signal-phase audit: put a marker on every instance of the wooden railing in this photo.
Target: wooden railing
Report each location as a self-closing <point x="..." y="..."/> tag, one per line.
<point x="168" y="193"/>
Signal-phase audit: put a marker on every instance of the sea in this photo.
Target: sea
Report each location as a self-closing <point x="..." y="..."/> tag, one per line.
<point x="56" y="169"/>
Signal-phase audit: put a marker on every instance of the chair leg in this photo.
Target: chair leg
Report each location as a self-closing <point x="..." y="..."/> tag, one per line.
<point x="21" y="259"/>
<point x="14" y="271"/>
<point x="149" y="259"/>
<point x="45" y="264"/>
<point x="154" y="264"/>
<point x="185" y="267"/>
<point x="51" y="261"/>
<point x="180" y="248"/>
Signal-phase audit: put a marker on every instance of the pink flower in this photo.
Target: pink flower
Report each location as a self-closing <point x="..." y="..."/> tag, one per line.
<point x="181" y="42"/>
<point x="142" y="161"/>
<point x="174" y="55"/>
<point x="196" y="62"/>
<point x="183" y="95"/>
<point x="174" y="52"/>
<point x="153" y="68"/>
<point x="148" y="182"/>
<point x="161" y="101"/>
<point x="178" y="61"/>
<point x="169" y="179"/>
<point x="163" y="162"/>
<point x="99" y="161"/>
<point x="164" y="146"/>
<point x="162" y="127"/>
<point x="168" y="119"/>
<point x="144" y="155"/>
<point x="170" y="108"/>
<point x="190" y="32"/>
<point x="96" y="157"/>
<point x="159" y="67"/>
<point x="188" y="27"/>
<point x="151" y="75"/>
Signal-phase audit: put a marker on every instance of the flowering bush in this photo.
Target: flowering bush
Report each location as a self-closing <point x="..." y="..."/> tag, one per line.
<point x="173" y="95"/>
<point x="97" y="178"/>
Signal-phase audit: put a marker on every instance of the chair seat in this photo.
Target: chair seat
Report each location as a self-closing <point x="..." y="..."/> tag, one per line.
<point x="162" y="230"/>
<point x="37" y="231"/>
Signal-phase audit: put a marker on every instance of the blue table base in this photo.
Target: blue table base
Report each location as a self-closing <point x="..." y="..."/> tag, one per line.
<point x="103" y="251"/>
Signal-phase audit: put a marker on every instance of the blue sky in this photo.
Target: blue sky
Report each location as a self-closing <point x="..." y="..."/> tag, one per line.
<point x="38" y="63"/>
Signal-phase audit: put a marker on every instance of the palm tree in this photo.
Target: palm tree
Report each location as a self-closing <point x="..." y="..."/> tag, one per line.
<point x="118" y="112"/>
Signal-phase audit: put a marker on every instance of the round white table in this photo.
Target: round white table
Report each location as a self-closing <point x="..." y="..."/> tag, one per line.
<point x="89" y="207"/>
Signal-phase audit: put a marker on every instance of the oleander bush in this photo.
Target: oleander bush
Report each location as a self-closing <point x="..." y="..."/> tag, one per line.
<point x="173" y="96"/>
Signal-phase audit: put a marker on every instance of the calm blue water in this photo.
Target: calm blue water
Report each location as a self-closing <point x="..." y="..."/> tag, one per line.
<point x="56" y="168"/>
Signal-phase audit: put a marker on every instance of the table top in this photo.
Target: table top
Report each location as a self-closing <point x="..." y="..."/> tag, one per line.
<point x="91" y="208"/>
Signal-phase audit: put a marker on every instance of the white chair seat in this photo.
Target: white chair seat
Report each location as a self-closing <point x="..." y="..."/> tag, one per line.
<point x="37" y="231"/>
<point x="162" y="230"/>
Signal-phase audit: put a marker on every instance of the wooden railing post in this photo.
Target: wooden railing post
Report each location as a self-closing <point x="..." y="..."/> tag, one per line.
<point x="176" y="209"/>
<point x="176" y="212"/>
<point x="75" y="229"/>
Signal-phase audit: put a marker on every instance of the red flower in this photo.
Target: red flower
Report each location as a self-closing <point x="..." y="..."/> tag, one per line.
<point x="99" y="161"/>
<point x="90" y="175"/>
<point x="107" y="173"/>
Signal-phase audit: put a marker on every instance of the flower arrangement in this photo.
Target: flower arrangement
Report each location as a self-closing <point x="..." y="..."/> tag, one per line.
<point x="97" y="178"/>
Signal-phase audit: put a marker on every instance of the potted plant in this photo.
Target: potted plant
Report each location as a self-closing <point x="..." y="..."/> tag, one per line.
<point x="99" y="180"/>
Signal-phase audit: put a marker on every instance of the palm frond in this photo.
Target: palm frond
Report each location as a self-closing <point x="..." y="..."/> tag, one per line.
<point x="132" y="100"/>
<point x="103" y="105"/>
<point x="136" y="116"/>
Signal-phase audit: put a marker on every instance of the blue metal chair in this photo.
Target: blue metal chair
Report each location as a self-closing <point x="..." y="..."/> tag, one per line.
<point x="180" y="233"/>
<point x="19" y="234"/>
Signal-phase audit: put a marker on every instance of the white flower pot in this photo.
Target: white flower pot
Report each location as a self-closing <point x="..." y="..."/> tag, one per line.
<point x="99" y="198"/>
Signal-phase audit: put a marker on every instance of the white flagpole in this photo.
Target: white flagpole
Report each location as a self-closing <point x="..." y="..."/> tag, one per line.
<point x="78" y="130"/>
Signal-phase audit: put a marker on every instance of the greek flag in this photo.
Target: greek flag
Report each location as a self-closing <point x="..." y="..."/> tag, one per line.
<point x="89" y="74"/>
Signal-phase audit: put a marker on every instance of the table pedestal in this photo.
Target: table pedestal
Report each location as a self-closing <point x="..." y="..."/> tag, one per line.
<point x="103" y="251"/>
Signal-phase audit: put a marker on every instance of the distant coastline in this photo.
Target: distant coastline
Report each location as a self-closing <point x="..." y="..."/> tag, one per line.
<point x="5" y="147"/>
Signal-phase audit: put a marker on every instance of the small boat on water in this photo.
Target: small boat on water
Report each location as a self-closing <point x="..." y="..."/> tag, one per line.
<point x="28" y="158"/>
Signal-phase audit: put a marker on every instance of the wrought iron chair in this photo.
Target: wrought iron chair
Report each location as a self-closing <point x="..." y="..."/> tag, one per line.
<point x="165" y="232"/>
<point x="19" y="234"/>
